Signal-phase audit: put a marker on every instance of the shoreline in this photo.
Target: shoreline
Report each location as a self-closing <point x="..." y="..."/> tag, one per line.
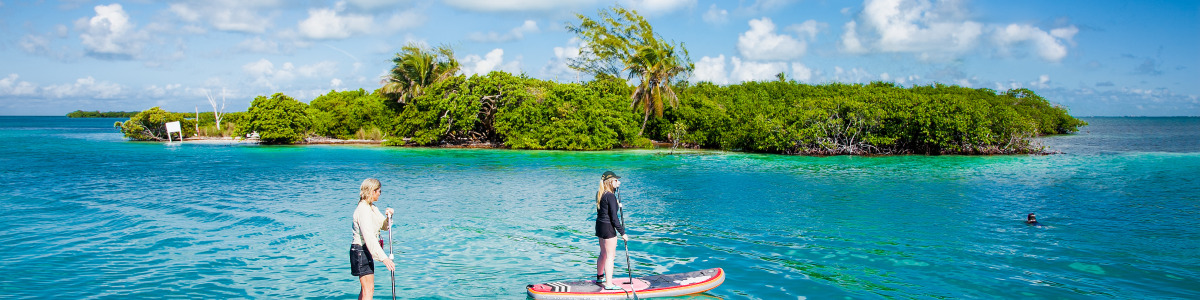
<point x="485" y="145"/>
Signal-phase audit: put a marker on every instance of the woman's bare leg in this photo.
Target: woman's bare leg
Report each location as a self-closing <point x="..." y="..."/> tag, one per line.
<point x="368" y="287"/>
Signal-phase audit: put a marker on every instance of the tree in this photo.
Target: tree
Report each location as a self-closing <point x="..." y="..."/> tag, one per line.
<point x="151" y="125"/>
<point x="417" y="68"/>
<point x="621" y="37"/>
<point x="217" y="112"/>
<point x="277" y="120"/>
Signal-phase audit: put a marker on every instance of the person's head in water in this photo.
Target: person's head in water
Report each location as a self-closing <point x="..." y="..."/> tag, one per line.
<point x="1031" y="219"/>
<point x="609" y="182"/>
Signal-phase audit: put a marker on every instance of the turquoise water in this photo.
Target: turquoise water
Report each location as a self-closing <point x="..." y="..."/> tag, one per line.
<point x="85" y="214"/>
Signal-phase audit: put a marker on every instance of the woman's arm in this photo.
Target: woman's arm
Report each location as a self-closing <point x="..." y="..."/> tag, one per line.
<point x="371" y="236"/>
<point x="614" y="213"/>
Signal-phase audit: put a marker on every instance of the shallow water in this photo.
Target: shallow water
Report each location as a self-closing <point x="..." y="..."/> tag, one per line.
<point x="86" y="214"/>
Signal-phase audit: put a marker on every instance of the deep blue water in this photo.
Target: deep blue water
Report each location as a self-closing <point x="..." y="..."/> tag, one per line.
<point x="86" y="214"/>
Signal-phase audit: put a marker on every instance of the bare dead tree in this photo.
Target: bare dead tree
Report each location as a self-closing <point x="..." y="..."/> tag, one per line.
<point x="217" y="113"/>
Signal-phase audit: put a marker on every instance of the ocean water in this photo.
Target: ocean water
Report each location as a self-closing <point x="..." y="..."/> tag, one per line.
<point x="85" y="214"/>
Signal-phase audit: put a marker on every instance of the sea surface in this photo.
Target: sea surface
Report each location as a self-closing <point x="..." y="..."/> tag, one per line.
<point x="85" y="214"/>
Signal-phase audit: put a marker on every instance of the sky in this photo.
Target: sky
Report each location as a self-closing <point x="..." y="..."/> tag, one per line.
<point x="1096" y="58"/>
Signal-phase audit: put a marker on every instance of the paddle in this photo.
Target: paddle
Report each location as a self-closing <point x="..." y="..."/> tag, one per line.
<point x="628" y="265"/>
<point x="392" y="255"/>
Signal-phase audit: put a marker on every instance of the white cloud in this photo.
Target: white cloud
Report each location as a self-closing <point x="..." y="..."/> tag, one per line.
<point x="326" y="23"/>
<point x="227" y="15"/>
<point x="335" y="83"/>
<point x="492" y="61"/>
<point x="516" y="34"/>
<point x="913" y="26"/>
<point x="760" y="7"/>
<point x="1047" y="45"/>
<point x="405" y="20"/>
<point x="558" y="66"/>
<point x="10" y="86"/>
<point x="850" y="41"/>
<point x="1043" y="81"/>
<point x="856" y="75"/>
<point x="519" y="5"/>
<point x="155" y="91"/>
<point x="809" y="28"/>
<point x="259" y="45"/>
<point x="801" y="73"/>
<point x="762" y="43"/>
<point x="110" y="32"/>
<point x="86" y="87"/>
<point x="711" y="69"/>
<point x="657" y="7"/>
<point x="716" y="15"/>
<point x="266" y="74"/>
<point x="756" y="71"/>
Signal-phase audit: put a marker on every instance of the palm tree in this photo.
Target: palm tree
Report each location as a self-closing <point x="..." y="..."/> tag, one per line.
<point x="416" y="68"/>
<point x="656" y="65"/>
<point x="623" y="37"/>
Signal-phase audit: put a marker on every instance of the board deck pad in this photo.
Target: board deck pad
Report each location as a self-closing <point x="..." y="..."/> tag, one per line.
<point x="652" y="286"/>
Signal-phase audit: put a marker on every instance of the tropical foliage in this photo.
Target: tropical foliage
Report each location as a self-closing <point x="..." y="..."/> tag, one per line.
<point x="350" y="114"/>
<point x="151" y="125"/>
<point x="278" y="119"/>
<point x="415" y="69"/>
<point x="98" y="114"/>
<point x="622" y="38"/>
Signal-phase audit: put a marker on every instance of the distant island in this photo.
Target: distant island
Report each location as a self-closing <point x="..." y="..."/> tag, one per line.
<point x="424" y="101"/>
<point x="98" y="114"/>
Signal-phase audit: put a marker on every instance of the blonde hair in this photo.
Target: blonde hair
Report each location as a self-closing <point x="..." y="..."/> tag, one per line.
<point x="368" y="186"/>
<point x="605" y="187"/>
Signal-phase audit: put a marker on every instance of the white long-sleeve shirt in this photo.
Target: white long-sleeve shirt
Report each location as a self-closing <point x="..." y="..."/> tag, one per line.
<point x="367" y="216"/>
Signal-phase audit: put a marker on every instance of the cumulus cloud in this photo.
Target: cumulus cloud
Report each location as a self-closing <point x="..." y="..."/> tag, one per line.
<point x="755" y="71"/>
<point x="559" y="65"/>
<point x="717" y="71"/>
<point x="86" y="87"/>
<point x="227" y="15"/>
<point x="711" y="69"/>
<point x="266" y="74"/>
<point x="492" y="61"/>
<point x="762" y="43"/>
<point x="912" y="26"/>
<point x="259" y="45"/>
<point x="519" y="5"/>
<point x="716" y="15"/>
<point x="942" y="30"/>
<point x="801" y="73"/>
<point x="327" y="23"/>
<point x="110" y="34"/>
<point x="518" y="33"/>
<point x="1048" y="45"/>
<point x="657" y="7"/>
<point x="10" y="86"/>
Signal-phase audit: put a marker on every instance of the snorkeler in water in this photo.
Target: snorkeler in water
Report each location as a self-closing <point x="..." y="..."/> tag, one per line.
<point x="1031" y="219"/>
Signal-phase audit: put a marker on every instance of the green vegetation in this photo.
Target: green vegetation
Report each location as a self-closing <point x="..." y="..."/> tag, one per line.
<point x="151" y="125"/>
<point x="277" y="120"/>
<point x="624" y="38"/>
<point x="98" y="114"/>
<point x="422" y="102"/>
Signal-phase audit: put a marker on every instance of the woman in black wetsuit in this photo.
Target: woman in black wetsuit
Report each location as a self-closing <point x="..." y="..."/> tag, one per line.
<point x="608" y="227"/>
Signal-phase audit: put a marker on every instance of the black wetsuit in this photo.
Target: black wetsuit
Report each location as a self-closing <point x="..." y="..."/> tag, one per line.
<point x="608" y="221"/>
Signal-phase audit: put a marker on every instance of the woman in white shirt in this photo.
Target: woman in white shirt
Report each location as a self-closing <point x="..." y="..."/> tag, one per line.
<point x="367" y="224"/>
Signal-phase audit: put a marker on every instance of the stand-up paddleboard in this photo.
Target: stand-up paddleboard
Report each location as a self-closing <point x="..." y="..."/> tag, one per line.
<point x="666" y="285"/>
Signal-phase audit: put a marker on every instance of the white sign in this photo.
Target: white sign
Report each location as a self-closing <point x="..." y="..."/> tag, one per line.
<point x="174" y="127"/>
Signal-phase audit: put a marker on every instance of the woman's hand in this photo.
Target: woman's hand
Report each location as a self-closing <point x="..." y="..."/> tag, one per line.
<point x="625" y="237"/>
<point x="390" y="265"/>
<point x="389" y="212"/>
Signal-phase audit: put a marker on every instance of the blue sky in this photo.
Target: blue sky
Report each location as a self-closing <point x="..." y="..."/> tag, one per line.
<point x="1097" y="58"/>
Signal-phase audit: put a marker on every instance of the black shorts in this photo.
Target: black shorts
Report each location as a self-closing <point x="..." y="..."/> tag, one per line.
<point x="605" y="230"/>
<point x="361" y="262"/>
